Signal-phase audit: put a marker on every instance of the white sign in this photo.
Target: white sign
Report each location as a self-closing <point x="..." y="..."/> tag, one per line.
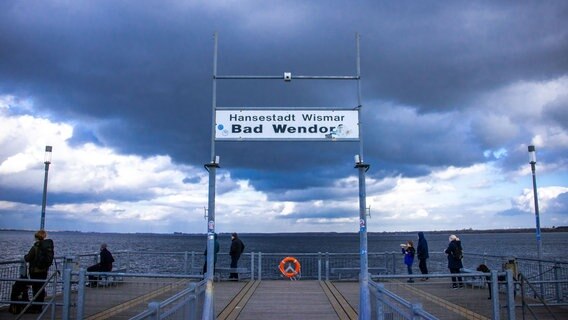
<point x="291" y="124"/>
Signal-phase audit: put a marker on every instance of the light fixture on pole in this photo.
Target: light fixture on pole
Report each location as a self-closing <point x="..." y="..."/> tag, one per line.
<point x="47" y="162"/>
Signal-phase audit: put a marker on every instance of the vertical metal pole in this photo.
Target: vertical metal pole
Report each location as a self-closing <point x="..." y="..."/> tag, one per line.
<point x="252" y="266"/>
<point x="319" y="266"/>
<point x="538" y="237"/>
<point x="364" y="294"/>
<point x="81" y="295"/>
<point x="558" y="287"/>
<point x="208" y="308"/>
<point x="259" y="266"/>
<point x="495" y="294"/>
<point x="66" y="294"/>
<point x="44" y="198"/>
<point x="510" y="295"/>
<point x="379" y="304"/>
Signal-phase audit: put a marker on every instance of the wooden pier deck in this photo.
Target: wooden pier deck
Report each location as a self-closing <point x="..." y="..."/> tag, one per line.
<point x="305" y="299"/>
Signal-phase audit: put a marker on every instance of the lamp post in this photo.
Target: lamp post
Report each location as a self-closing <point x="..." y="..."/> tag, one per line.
<point x="532" y="161"/>
<point x="47" y="162"/>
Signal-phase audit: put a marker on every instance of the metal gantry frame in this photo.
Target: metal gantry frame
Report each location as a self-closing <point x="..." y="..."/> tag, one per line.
<point x="360" y="165"/>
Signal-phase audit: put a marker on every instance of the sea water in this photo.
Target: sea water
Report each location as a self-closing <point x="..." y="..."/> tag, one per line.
<point x="14" y="244"/>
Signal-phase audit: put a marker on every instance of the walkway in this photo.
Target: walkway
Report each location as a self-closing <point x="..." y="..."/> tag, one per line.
<point x="304" y="299"/>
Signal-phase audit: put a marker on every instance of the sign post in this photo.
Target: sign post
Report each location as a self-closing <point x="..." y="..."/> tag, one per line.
<point x="316" y="124"/>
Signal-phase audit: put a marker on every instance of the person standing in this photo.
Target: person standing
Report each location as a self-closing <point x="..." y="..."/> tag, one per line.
<point x="40" y="258"/>
<point x="237" y="248"/>
<point x="104" y="265"/>
<point x="455" y="255"/>
<point x="409" y="251"/>
<point x="422" y="254"/>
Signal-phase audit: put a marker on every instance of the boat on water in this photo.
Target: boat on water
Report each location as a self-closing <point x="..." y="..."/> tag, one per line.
<point x="326" y="284"/>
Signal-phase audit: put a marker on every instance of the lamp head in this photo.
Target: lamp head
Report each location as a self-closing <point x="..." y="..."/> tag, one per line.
<point x="47" y="158"/>
<point x="532" y="155"/>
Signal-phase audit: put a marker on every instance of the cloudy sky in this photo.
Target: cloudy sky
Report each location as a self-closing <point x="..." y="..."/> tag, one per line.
<point x="452" y="94"/>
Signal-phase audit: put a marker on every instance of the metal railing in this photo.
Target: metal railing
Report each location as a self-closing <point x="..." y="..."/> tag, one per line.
<point x="552" y="284"/>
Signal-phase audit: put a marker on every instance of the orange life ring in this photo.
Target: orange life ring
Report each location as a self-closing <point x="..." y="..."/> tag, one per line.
<point x="287" y="271"/>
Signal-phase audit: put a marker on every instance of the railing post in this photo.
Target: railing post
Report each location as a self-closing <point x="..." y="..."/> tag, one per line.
<point x="252" y="266"/>
<point x="259" y="265"/>
<point x="558" y="288"/>
<point x="495" y="294"/>
<point x="319" y="266"/>
<point x="155" y="307"/>
<point x="185" y="263"/>
<point x="510" y="295"/>
<point x="81" y="295"/>
<point x="416" y="308"/>
<point x="379" y="305"/>
<point x="128" y="261"/>
<point x="192" y="261"/>
<point x="327" y="266"/>
<point x="393" y="263"/>
<point x="191" y="303"/>
<point x="66" y="294"/>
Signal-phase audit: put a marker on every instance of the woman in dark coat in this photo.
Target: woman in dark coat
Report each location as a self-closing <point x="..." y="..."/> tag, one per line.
<point x="454" y="253"/>
<point x="422" y="254"/>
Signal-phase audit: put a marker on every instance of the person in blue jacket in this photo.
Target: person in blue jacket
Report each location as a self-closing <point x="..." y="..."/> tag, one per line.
<point x="422" y="254"/>
<point x="409" y="251"/>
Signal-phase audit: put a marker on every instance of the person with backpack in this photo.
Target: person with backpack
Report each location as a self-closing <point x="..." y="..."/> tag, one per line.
<point x="455" y="256"/>
<point x="104" y="265"/>
<point x="40" y="258"/>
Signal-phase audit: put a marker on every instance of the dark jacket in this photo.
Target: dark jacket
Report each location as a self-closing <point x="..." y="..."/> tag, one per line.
<point x="408" y="255"/>
<point x="32" y="254"/>
<point x="454" y="263"/>
<point x="237" y="248"/>
<point x="422" y="248"/>
<point x="106" y="260"/>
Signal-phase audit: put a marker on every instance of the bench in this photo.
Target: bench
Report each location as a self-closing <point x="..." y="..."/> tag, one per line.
<point x="474" y="279"/>
<point x="113" y="278"/>
<point x="219" y="271"/>
<point x="355" y="270"/>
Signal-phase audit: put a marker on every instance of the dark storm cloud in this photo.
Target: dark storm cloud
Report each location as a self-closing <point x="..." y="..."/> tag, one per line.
<point x="144" y="71"/>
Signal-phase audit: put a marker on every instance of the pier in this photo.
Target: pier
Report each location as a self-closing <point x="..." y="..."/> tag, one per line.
<point x="304" y="299"/>
<point x="328" y="288"/>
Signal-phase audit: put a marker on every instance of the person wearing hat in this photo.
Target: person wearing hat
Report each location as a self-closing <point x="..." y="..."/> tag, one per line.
<point x="455" y="255"/>
<point x="237" y="248"/>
